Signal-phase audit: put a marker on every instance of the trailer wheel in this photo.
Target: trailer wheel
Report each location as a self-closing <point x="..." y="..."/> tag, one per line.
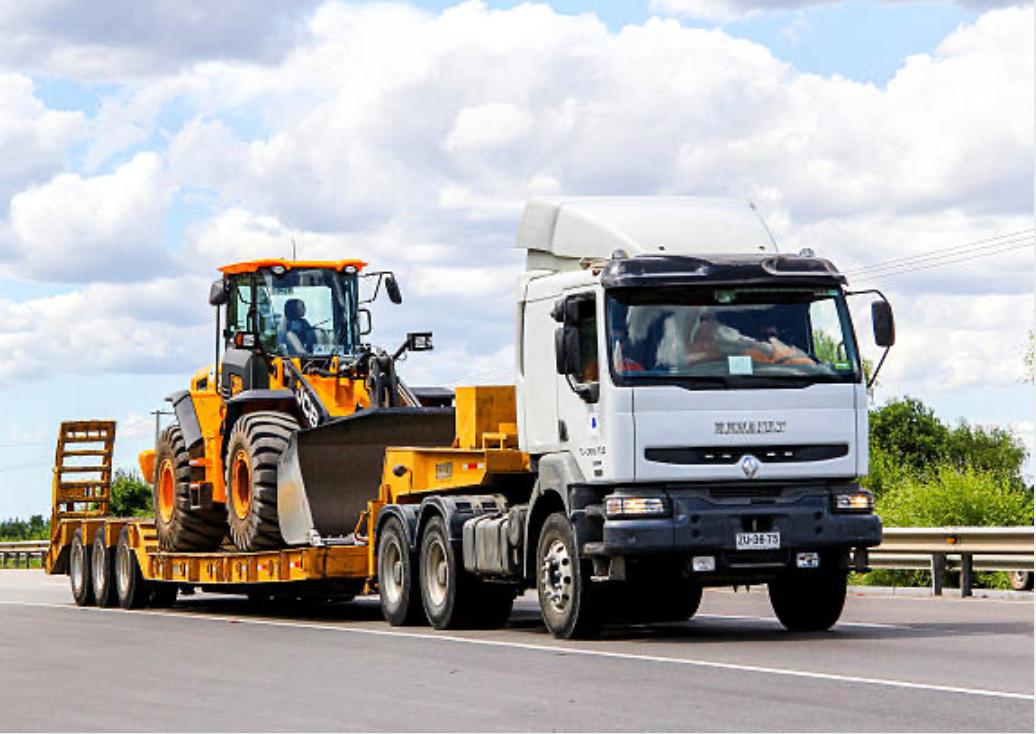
<point x="398" y="588"/>
<point x="1021" y="580"/>
<point x="255" y="446"/>
<point x="79" y="570"/>
<point x="179" y="527"/>
<point x="102" y="566"/>
<point x="808" y="602"/>
<point x="570" y="607"/>
<point x="130" y="585"/>
<point x="162" y="595"/>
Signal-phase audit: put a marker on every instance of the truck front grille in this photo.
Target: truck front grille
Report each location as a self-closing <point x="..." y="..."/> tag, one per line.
<point x="720" y="455"/>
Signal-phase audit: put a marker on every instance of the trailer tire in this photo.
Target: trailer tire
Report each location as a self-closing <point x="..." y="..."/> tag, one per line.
<point x="163" y="595"/>
<point x="808" y="602"/>
<point x="398" y="587"/>
<point x="449" y="593"/>
<point x="130" y="585"/>
<point x="179" y="527"/>
<point x="79" y="574"/>
<point x="570" y="606"/>
<point x="256" y="443"/>
<point x="102" y="567"/>
<point x="1021" y="580"/>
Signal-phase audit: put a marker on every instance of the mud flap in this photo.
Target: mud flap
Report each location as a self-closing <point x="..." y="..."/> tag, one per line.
<point x="328" y="473"/>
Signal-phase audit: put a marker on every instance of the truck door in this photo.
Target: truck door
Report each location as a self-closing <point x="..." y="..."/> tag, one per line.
<point x="578" y="384"/>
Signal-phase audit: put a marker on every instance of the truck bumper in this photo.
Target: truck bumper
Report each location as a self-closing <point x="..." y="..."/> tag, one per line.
<point x="699" y="526"/>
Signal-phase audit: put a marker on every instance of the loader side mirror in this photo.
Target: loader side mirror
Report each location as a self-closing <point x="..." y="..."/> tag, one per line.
<point x="363" y="316"/>
<point x="884" y="324"/>
<point x="566" y="350"/>
<point x="392" y="288"/>
<point x="219" y="293"/>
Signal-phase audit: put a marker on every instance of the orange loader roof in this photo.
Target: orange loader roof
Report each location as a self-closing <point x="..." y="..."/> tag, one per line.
<point x="253" y="265"/>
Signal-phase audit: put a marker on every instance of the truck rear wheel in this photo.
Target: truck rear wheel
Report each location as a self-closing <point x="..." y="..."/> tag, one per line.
<point x="446" y="588"/>
<point x="179" y="527"/>
<point x="808" y="602"/>
<point x="79" y="575"/>
<point x="255" y="446"/>
<point x="102" y="566"/>
<point x="569" y="606"/>
<point x="130" y="585"/>
<point x="398" y="587"/>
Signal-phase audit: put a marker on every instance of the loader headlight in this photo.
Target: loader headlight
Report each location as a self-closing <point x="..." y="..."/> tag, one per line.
<point x="856" y="501"/>
<point x="618" y="507"/>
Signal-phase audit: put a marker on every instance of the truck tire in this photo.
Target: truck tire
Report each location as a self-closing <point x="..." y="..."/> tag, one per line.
<point x="663" y="602"/>
<point x="79" y="575"/>
<point x="253" y="450"/>
<point x="398" y="587"/>
<point x="179" y="527"/>
<point x="570" y="607"/>
<point x="163" y="595"/>
<point x="448" y="592"/>
<point x="130" y="586"/>
<point x="1021" y="580"/>
<point x="808" y="602"/>
<point x="102" y="566"/>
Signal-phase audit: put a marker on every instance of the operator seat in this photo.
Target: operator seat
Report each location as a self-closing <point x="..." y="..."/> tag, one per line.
<point x="296" y="335"/>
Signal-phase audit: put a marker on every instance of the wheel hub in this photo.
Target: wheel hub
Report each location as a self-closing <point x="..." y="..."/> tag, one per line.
<point x="557" y="576"/>
<point x="437" y="573"/>
<point x="392" y="583"/>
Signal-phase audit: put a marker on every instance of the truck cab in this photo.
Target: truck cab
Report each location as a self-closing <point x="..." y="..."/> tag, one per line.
<point x="693" y="395"/>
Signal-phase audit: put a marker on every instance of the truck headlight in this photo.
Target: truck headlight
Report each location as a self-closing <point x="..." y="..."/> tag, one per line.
<point x="859" y="500"/>
<point x="636" y="507"/>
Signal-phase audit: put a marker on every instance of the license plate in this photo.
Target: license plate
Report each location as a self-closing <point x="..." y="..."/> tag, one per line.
<point x="757" y="541"/>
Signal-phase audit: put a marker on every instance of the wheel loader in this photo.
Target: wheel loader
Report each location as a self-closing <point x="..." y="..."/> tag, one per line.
<point x="256" y="449"/>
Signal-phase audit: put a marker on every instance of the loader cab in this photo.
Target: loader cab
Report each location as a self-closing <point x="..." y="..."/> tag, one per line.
<point x="276" y="308"/>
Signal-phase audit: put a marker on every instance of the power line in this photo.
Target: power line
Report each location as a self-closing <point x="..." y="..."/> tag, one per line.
<point x="895" y="272"/>
<point x="978" y="246"/>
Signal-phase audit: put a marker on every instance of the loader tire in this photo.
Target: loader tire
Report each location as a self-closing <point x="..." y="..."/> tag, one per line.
<point x="179" y="527"/>
<point x="255" y="446"/>
<point x="102" y="566"/>
<point x="79" y="575"/>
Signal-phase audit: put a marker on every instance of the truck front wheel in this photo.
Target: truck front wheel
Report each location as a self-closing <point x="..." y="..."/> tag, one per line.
<point x="810" y="601"/>
<point x="567" y="601"/>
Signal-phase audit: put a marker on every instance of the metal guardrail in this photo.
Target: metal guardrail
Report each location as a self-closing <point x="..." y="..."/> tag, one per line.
<point x="964" y="549"/>
<point x="22" y="552"/>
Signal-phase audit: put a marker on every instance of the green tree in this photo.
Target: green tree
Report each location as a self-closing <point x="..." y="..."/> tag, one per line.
<point x="131" y="495"/>
<point x="992" y="450"/>
<point x="905" y="430"/>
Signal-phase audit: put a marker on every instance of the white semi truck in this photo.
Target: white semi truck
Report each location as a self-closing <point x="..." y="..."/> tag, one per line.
<point x="691" y="407"/>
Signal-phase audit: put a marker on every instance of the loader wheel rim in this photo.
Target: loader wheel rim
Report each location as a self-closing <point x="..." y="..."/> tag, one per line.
<point x="437" y="572"/>
<point x="557" y="576"/>
<point x="241" y="484"/>
<point x="166" y="490"/>
<point x="392" y="571"/>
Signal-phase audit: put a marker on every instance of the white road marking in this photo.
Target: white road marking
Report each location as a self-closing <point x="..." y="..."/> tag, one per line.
<point x="556" y="649"/>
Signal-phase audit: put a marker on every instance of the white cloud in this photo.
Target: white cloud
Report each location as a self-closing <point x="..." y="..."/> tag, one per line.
<point x="730" y="10"/>
<point x="33" y="139"/>
<point x="76" y="229"/>
<point x="121" y="39"/>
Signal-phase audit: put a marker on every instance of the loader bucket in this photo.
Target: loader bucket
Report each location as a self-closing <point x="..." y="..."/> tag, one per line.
<point x="328" y="474"/>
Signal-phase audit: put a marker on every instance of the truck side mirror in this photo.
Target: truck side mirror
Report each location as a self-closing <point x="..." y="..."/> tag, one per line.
<point x="219" y="293"/>
<point x="566" y="350"/>
<point x="884" y="324"/>
<point x="392" y="288"/>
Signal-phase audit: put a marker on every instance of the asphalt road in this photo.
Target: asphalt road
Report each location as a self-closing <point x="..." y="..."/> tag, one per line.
<point x="212" y="663"/>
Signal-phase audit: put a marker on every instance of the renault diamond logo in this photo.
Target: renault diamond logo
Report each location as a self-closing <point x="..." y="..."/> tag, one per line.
<point x="749" y="466"/>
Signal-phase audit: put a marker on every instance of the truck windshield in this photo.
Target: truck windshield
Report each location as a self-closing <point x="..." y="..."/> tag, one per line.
<point x="306" y="312"/>
<point x="730" y="336"/>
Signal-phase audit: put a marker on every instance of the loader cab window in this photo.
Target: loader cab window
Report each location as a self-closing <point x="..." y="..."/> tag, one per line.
<point x="300" y="312"/>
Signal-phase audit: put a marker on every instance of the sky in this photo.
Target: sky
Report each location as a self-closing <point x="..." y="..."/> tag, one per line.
<point x="144" y="144"/>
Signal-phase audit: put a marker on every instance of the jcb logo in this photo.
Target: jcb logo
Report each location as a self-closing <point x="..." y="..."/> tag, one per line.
<point x="307" y="406"/>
